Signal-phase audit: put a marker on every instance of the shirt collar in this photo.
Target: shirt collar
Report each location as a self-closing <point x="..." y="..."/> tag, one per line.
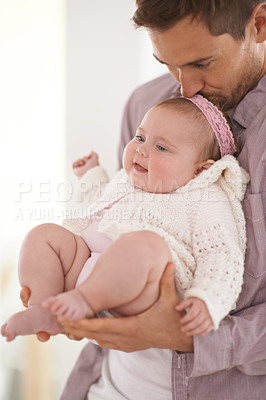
<point x="251" y="104"/>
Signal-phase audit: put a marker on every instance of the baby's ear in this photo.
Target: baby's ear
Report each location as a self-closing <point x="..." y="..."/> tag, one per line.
<point x="202" y="166"/>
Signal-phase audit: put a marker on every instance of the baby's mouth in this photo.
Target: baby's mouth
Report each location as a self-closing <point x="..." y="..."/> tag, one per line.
<point x="139" y="168"/>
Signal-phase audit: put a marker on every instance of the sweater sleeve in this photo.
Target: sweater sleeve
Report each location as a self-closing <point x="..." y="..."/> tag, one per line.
<point x="91" y="185"/>
<point x="220" y="261"/>
<point x="89" y="190"/>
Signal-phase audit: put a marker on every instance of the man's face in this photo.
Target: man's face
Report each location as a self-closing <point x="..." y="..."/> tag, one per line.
<point x="218" y="67"/>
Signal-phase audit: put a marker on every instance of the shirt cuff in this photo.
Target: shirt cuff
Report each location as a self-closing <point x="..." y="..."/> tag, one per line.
<point x="212" y="352"/>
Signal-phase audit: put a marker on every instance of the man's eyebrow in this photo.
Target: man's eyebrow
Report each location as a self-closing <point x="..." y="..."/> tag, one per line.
<point x="194" y="62"/>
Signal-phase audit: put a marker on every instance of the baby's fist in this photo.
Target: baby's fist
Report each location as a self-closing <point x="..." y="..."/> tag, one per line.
<point x="82" y="165"/>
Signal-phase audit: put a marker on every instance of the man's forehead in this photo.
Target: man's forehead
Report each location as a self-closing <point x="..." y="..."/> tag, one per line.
<point x="187" y="41"/>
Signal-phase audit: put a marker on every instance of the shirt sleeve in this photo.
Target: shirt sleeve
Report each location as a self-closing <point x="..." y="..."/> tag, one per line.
<point x="239" y="342"/>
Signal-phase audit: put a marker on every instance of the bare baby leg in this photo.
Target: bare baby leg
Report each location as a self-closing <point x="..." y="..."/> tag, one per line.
<point x="50" y="261"/>
<point x="125" y="278"/>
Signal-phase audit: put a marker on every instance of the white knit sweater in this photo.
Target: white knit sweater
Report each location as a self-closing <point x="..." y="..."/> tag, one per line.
<point x="202" y="222"/>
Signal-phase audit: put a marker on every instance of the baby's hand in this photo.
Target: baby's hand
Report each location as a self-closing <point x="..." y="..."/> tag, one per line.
<point x="82" y="165"/>
<point x="197" y="321"/>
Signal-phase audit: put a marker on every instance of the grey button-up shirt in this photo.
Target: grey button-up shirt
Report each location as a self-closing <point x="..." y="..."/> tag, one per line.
<point x="230" y="363"/>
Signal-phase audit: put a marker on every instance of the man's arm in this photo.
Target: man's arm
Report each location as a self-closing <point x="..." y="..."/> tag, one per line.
<point x="239" y="342"/>
<point x="153" y="328"/>
<point x="234" y="344"/>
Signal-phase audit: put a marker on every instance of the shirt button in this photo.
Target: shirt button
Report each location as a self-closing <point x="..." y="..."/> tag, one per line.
<point x="186" y="381"/>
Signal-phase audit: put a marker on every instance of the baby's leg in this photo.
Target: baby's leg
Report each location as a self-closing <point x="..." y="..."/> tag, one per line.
<point x="50" y="261"/>
<point x="125" y="278"/>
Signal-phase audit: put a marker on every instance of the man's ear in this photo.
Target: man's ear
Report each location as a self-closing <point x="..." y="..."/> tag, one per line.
<point x="258" y="22"/>
<point x="202" y="166"/>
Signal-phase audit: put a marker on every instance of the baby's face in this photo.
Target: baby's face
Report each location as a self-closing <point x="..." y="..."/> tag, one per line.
<point x="164" y="154"/>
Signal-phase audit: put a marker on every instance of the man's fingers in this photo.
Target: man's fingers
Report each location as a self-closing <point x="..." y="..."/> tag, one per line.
<point x="114" y="346"/>
<point x="106" y="331"/>
<point x="43" y="336"/>
<point x="24" y="296"/>
<point x="112" y="325"/>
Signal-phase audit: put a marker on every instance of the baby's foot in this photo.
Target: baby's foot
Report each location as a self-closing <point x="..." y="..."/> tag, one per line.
<point x="31" y="321"/>
<point x="70" y="305"/>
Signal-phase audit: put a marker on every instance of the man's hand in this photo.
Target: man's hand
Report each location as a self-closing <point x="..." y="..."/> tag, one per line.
<point x="159" y="326"/>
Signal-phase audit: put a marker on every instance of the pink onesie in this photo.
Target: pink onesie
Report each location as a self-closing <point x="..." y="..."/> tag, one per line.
<point x="97" y="243"/>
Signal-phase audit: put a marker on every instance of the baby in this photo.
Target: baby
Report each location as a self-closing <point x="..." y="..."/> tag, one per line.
<point x="178" y="198"/>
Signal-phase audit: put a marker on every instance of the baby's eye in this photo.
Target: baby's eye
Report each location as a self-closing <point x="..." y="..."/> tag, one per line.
<point x="161" y="148"/>
<point x="139" y="138"/>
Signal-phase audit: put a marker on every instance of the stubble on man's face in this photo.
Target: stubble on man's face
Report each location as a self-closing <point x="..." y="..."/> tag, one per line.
<point x="246" y="81"/>
<point x="230" y="68"/>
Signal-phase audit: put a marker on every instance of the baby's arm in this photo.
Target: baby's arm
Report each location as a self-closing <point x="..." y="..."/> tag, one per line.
<point x="197" y="321"/>
<point x="82" y="165"/>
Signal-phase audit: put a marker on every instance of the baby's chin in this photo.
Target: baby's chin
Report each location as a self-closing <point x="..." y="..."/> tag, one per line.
<point x="157" y="188"/>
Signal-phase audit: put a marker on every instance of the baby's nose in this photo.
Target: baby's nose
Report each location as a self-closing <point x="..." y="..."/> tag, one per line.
<point x="142" y="151"/>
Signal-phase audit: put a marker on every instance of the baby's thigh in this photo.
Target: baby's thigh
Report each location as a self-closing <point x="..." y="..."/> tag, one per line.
<point x="82" y="254"/>
<point x="70" y="249"/>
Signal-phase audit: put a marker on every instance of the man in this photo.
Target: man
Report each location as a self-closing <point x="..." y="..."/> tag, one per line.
<point x="216" y="48"/>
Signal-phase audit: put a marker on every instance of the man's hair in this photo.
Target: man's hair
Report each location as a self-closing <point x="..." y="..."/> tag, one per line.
<point x="220" y="16"/>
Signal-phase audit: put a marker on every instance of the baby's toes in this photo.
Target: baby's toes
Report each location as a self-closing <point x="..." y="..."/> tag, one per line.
<point x="54" y="305"/>
<point x="3" y="329"/>
<point x="59" y="308"/>
<point x="48" y="303"/>
<point x="10" y="337"/>
<point x="66" y="314"/>
<point x="4" y="332"/>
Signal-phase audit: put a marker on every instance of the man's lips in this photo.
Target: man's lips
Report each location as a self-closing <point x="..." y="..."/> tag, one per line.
<point x="139" y="168"/>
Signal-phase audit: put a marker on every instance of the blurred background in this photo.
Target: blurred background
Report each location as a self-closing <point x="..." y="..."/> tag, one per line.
<point x="67" y="68"/>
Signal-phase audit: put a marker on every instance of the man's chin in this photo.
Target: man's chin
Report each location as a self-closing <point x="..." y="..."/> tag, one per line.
<point x="218" y="100"/>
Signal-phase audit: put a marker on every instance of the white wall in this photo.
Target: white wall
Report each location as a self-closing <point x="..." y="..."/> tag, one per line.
<point x="66" y="70"/>
<point x="32" y="146"/>
<point x="106" y="59"/>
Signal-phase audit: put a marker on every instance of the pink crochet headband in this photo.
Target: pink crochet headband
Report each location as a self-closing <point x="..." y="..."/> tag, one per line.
<point x="218" y="123"/>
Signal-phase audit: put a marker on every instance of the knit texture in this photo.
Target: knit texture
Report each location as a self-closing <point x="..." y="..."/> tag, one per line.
<point x="202" y="223"/>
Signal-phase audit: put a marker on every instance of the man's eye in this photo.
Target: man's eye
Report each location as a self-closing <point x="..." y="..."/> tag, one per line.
<point x="139" y="138"/>
<point x="161" y="148"/>
<point x="203" y="65"/>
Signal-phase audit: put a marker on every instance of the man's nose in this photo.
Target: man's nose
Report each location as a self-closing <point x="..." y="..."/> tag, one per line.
<point x="191" y="82"/>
